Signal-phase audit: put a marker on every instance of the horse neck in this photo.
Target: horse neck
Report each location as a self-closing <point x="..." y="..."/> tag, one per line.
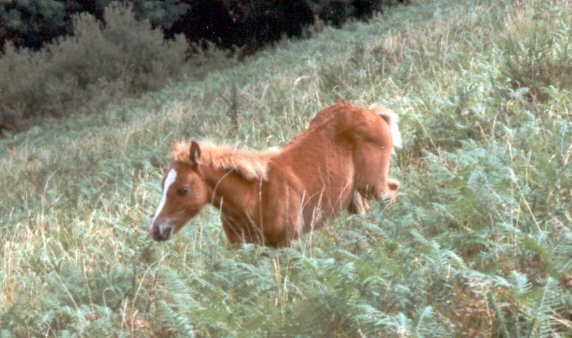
<point x="228" y="190"/>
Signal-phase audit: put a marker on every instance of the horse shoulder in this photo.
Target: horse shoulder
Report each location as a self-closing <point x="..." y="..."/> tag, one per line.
<point x="281" y="200"/>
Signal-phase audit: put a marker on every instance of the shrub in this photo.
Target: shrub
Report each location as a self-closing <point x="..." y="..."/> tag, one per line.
<point x="32" y="24"/>
<point x="122" y="57"/>
<point x="336" y="12"/>
<point x="228" y="23"/>
<point x="243" y="23"/>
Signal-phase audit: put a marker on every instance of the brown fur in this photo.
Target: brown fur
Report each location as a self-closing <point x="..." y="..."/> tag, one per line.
<point x="346" y="151"/>
<point x="359" y="204"/>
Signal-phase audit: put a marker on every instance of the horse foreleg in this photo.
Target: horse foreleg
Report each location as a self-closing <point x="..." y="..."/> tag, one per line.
<point x="358" y="204"/>
<point x="233" y="233"/>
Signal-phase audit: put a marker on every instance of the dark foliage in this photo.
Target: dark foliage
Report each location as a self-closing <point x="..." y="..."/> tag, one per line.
<point x="250" y="24"/>
<point x="124" y="57"/>
<point x="336" y="12"/>
<point x="32" y="24"/>
<point x="243" y="23"/>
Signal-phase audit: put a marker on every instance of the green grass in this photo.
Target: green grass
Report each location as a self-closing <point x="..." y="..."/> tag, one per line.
<point x="479" y="242"/>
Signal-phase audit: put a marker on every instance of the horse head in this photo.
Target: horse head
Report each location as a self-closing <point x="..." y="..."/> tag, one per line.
<point x="185" y="193"/>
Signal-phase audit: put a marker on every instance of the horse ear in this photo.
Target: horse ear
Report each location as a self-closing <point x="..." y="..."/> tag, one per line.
<point x="194" y="153"/>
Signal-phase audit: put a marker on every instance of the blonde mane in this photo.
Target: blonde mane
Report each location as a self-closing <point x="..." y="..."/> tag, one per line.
<point x="252" y="165"/>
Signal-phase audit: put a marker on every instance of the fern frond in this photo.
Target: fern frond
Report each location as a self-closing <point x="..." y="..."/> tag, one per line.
<point x="519" y="282"/>
<point x="542" y="321"/>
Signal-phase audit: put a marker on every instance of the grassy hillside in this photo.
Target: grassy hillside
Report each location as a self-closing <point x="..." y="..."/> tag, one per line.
<point x="479" y="242"/>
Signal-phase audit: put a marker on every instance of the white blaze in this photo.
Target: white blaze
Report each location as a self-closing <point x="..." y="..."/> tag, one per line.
<point x="171" y="176"/>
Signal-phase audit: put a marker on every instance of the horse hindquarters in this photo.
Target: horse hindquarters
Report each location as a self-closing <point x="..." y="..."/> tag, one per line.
<point x="372" y="143"/>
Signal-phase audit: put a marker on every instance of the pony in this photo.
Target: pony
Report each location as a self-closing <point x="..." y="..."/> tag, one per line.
<point x="274" y="196"/>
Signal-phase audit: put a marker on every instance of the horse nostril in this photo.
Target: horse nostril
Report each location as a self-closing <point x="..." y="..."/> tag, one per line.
<point x="154" y="231"/>
<point x="161" y="232"/>
<point x="167" y="231"/>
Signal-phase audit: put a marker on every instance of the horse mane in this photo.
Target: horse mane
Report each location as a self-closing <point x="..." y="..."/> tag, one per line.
<point x="250" y="164"/>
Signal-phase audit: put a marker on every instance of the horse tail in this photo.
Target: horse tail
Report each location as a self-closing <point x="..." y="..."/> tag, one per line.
<point x="392" y="120"/>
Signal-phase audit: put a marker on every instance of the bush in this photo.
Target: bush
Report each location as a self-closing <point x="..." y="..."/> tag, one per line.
<point x="243" y="23"/>
<point x="336" y="12"/>
<point x="32" y="24"/>
<point x="121" y="58"/>
<point x="249" y="23"/>
<point x="255" y="23"/>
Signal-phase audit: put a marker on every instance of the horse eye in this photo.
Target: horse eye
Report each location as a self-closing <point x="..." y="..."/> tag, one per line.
<point x="182" y="191"/>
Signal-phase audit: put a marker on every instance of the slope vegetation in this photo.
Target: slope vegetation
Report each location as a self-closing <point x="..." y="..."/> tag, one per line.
<point x="479" y="242"/>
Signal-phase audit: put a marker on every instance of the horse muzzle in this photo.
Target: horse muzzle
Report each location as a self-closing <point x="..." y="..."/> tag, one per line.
<point x="161" y="230"/>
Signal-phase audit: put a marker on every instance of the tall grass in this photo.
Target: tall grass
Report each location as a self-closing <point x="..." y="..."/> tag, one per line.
<point x="479" y="242"/>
